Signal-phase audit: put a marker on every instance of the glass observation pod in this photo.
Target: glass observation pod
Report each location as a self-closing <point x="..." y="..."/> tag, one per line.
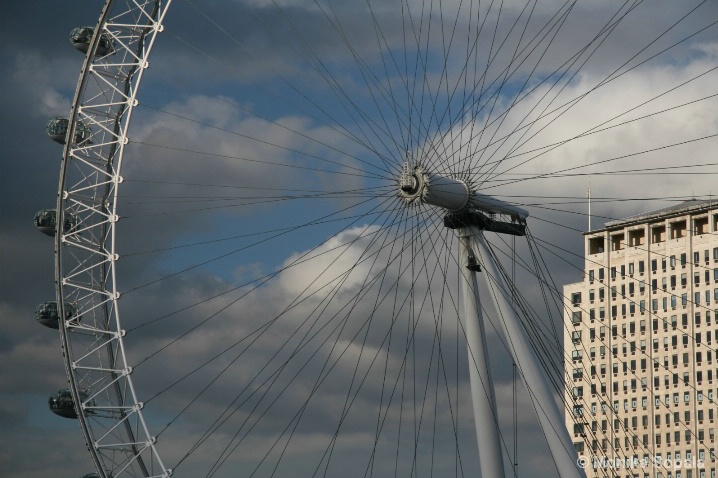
<point x="46" y="221"/>
<point x="57" y="130"/>
<point x="47" y="314"/>
<point x="61" y="403"/>
<point x="81" y="37"/>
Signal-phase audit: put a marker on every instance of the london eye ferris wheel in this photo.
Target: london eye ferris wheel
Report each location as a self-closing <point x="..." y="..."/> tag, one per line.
<point x="272" y="259"/>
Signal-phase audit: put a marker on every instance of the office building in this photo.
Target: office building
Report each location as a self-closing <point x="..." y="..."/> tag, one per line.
<point x="641" y="331"/>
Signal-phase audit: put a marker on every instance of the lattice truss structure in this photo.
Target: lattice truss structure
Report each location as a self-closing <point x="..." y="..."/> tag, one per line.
<point x="109" y="411"/>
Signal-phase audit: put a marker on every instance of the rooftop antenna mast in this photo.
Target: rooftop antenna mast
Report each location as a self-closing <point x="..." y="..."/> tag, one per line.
<point x="588" y="195"/>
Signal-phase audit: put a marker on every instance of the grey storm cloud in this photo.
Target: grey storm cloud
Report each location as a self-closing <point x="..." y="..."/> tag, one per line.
<point x="219" y="143"/>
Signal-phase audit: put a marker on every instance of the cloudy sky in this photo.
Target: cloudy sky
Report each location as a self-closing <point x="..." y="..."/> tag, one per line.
<point x="277" y="291"/>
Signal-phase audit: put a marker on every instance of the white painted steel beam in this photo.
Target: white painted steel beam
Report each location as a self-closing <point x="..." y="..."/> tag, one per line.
<point x="549" y="414"/>
<point x="482" y="385"/>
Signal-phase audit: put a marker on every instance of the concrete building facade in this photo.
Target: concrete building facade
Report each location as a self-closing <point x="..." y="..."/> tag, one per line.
<point x="641" y="331"/>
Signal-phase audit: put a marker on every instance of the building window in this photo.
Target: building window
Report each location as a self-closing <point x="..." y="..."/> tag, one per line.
<point x="576" y="299"/>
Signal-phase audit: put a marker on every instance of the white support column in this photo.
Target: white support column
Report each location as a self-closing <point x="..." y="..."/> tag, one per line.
<point x="482" y="385"/>
<point x="549" y="414"/>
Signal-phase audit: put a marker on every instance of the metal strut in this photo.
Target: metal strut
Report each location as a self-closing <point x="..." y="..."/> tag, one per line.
<point x="473" y="213"/>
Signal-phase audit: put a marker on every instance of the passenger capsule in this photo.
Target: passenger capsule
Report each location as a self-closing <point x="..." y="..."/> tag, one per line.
<point x="57" y="131"/>
<point x="48" y="315"/>
<point x="81" y="37"/>
<point x="61" y="403"/>
<point x="46" y="221"/>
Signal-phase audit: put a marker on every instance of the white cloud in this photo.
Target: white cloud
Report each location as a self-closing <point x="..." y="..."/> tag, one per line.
<point x="337" y="323"/>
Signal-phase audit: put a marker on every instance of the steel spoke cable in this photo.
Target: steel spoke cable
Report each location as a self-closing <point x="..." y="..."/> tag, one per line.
<point x="266" y="143"/>
<point x="534" y="327"/>
<point x="339" y="91"/>
<point x="476" y="105"/>
<point x="604" y="81"/>
<point x="235" y="251"/>
<point x="548" y="245"/>
<point x="611" y="77"/>
<point x="559" y="293"/>
<point x="443" y="74"/>
<point x="534" y="343"/>
<point x="428" y="293"/>
<point x="383" y="44"/>
<point x="615" y="158"/>
<point x="437" y="323"/>
<point x="605" y="33"/>
<point x="324" y="377"/>
<point x="598" y="128"/>
<point x="455" y="308"/>
<point x="222" y="460"/>
<point x="496" y="95"/>
<point x="288" y="83"/>
<point x="390" y="335"/>
<point x="598" y="40"/>
<point x="615" y="75"/>
<point x="647" y="354"/>
<point x="257" y="283"/>
<point x="132" y="199"/>
<point x="169" y="212"/>
<point x="418" y="313"/>
<point x="367" y="74"/>
<point x="317" y="331"/>
<point x="253" y="234"/>
<point x="382" y="274"/>
<point x="333" y="125"/>
<point x="654" y="170"/>
<point x="493" y="285"/>
<point x="298" y="261"/>
<point x="460" y="164"/>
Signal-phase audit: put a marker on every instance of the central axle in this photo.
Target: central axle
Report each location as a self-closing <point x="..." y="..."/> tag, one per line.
<point x="417" y="185"/>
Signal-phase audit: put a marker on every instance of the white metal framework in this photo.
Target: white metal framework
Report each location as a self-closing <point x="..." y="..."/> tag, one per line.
<point x="109" y="411"/>
<point x="415" y="197"/>
<point x="474" y="251"/>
